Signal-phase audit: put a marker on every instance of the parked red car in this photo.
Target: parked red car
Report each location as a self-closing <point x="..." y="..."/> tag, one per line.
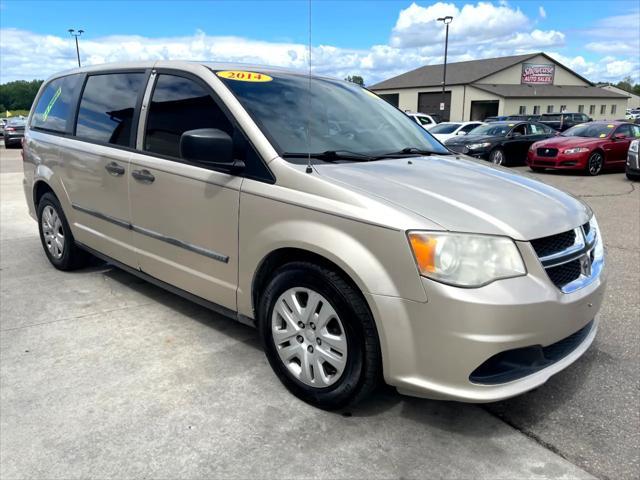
<point x="591" y="147"/>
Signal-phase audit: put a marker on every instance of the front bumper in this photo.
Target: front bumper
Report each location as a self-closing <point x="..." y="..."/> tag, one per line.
<point x="431" y="349"/>
<point x="560" y="161"/>
<point x="633" y="163"/>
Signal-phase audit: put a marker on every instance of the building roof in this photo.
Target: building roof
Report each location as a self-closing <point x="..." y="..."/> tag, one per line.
<point x="549" y="91"/>
<point x="457" y="73"/>
<point x="460" y="73"/>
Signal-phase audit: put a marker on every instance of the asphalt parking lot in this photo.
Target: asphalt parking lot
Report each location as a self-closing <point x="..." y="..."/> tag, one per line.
<point x="103" y="375"/>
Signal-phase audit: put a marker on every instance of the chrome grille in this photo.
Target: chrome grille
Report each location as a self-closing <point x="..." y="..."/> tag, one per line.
<point x="568" y="257"/>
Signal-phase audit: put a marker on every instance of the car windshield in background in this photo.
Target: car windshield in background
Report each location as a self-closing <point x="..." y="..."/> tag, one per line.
<point x="590" y="130"/>
<point x="494" y="129"/>
<point x="444" y="128"/>
<point x="17" y="123"/>
<point x="551" y="118"/>
<point x="317" y="115"/>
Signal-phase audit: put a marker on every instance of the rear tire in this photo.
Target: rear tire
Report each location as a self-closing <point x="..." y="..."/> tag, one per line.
<point x="498" y="157"/>
<point x="634" y="177"/>
<point x="56" y="237"/>
<point x="338" y="316"/>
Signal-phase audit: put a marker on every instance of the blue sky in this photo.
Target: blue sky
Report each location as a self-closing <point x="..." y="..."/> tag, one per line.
<point x="376" y="39"/>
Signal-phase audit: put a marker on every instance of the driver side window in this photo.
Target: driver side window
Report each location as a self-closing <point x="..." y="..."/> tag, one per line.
<point x="624" y="130"/>
<point x="179" y="104"/>
<point x="520" y="129"/>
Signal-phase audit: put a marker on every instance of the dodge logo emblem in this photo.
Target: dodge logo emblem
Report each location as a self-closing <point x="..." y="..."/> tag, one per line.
<point x="585" y="265"/>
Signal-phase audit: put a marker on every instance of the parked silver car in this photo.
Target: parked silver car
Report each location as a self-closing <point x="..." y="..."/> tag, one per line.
<point x="633" y="161"/>
<point x="360" y="247"/>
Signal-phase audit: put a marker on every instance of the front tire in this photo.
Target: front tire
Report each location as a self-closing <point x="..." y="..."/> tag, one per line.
<point x="498" y="157"/>
<point x="319" y="336"/>
<point x="595" y="164"/>
<point x="634" y="177"/>
<point x="56" y="237"/>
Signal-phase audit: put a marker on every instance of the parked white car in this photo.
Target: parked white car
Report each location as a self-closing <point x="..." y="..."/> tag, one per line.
<point x="446" y="130"/>
<point x="422" y="119"/>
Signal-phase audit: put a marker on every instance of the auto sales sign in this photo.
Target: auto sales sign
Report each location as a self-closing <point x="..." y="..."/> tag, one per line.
<point x="537" y="74"/>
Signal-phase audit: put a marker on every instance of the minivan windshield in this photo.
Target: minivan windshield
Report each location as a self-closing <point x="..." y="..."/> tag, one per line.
<point x="299" y="114"/>
<point x="590" y="130"/>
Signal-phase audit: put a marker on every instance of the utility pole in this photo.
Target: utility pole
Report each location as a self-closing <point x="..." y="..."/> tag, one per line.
<point x="446" y="20"/>
<point x="76" y="34"/>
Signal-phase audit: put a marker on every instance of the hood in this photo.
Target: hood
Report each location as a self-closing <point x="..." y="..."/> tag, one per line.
<point x="470" y="138"/>
<point x="464" y="195"/>
<point x="568" y="142"/>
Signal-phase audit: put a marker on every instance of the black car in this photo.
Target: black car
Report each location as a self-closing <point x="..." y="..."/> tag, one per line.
<point x="13" y="132"/>
<point x="503" y="143"/>
<point x="563" y="121"/>
<point x="528" y="118"/>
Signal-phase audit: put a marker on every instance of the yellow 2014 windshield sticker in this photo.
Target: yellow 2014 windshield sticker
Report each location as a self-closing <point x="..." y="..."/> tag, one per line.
<point x="243" y="76"/>
<point x="52" y="102"/>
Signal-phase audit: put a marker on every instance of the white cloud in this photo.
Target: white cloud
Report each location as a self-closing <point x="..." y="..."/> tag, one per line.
<point x="542" y="12"/>
<point x="473" y="24"/>
<point x="608" y="69"/>
<point x="480" y="30"/>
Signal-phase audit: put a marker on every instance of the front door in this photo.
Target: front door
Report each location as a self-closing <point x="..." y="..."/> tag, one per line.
<point x="617" y="148"/>
<point x="184" y="215"/>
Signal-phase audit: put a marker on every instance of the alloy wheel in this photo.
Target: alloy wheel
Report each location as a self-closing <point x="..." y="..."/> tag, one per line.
<point x="595" y="164"/>
<point x="309" y="337"/>
<point x="497" y="157"/>
<point x="53" y="232"/>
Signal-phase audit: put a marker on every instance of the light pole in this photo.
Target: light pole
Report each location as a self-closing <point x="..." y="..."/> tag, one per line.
<point x="76" y="34"/>
<point x="446" y="20"/>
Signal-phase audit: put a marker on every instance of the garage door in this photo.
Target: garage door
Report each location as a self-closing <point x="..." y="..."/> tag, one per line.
<point x="429" y="103"/>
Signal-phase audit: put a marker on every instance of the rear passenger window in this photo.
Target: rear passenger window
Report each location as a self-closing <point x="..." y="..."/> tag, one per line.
<point x="179" y="104"/>
<point x="107" y="107"/>
<point x="56" y="105"/>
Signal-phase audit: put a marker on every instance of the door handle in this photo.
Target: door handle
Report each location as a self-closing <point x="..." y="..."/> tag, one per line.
<point x="144" y="176"/>
<point x="114" y="169"/>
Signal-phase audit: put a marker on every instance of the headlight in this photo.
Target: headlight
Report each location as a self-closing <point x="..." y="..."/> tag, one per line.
<point x="634" y="146"/>
<point x="477" y="146"/>
<point x="465" y="260"/>
<point x="576" y="150"/>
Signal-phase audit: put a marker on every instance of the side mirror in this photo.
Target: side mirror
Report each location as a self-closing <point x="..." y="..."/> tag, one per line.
<point x="461" y="132"/>
<point x="209" y="146"/>
<point x="619" y="136"/>
<point x="516" y="134"/>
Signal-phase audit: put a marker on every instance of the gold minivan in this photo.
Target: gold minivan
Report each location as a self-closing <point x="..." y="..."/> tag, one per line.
<point x="360" y="247"/>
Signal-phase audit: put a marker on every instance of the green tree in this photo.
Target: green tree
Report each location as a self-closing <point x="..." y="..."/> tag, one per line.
<point x="18" y="95"/>
<point x="357" y="79"/>
<point x="626" y="84"/>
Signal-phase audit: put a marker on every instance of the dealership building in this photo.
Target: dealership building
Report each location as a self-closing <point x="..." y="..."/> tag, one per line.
<point x="521" y="84"/>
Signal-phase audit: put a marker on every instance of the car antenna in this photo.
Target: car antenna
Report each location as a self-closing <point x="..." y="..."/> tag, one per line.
<point x="309" y="169"/>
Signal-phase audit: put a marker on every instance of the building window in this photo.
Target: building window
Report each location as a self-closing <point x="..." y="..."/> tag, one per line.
<point x="536" y="110"/>
<point x="580" y="108"/>
<point x="603" y="109"/>
<point x="522" y="110"/>
<point x="563" y="108"/>
<point x="549" y="108"/>
<point x="613" y="109"/>
<point x="592" y="109"/>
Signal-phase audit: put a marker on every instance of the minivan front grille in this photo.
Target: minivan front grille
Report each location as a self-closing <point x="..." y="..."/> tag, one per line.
<point x="563" y="274"/>
<point x="568" y="257"/>
<point x="555" y="243"/>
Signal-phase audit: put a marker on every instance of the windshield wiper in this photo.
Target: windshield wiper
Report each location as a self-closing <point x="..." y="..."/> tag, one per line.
<point x="331" y="156"/>
<point x="414" y="151"/>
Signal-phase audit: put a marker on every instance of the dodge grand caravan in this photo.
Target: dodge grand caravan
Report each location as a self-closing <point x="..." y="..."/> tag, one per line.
<point x="360" y="247"/>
